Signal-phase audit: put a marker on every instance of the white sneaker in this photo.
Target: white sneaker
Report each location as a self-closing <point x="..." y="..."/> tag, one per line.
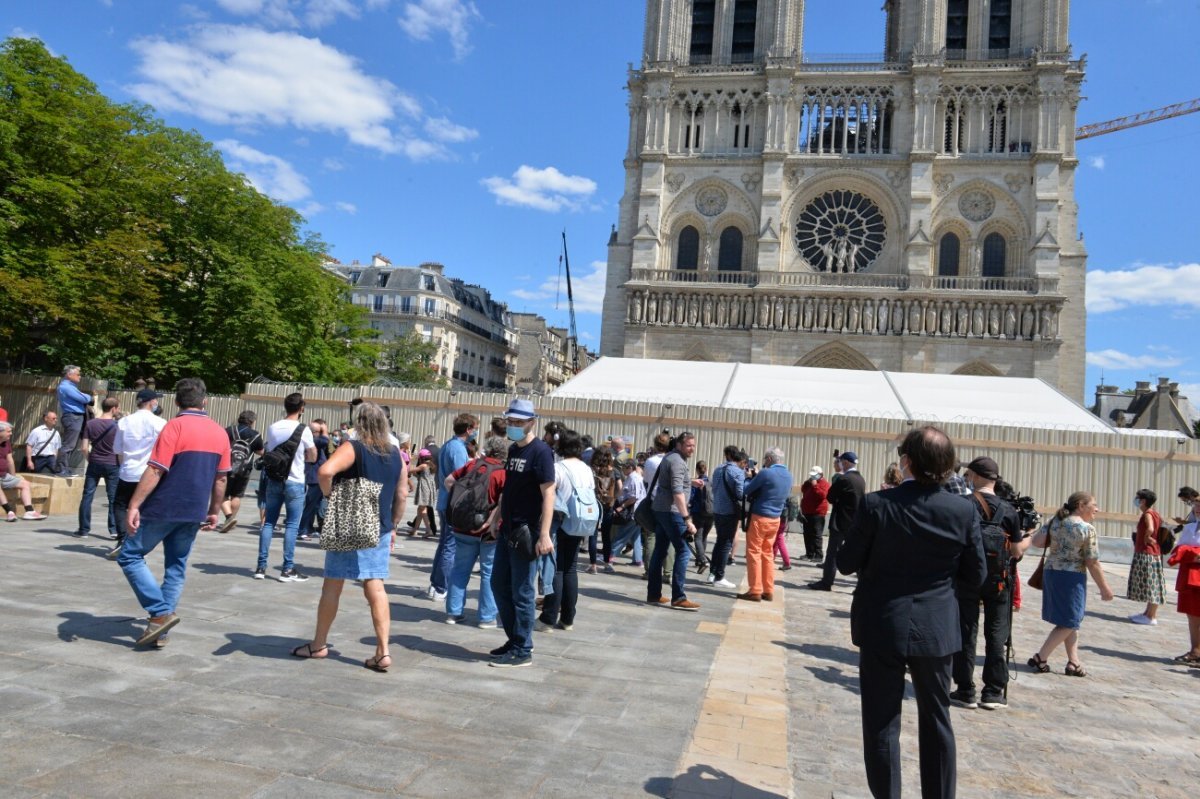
<point x="438" y="596"/>
<point x="711" y="578"/>
<point x="1142" y="618"/>
<point x="723" y="583"/>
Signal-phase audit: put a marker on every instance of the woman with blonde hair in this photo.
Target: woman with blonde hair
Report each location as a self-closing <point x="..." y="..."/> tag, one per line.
<point x="372" y="457"/>
<point x="1071" y="554"/>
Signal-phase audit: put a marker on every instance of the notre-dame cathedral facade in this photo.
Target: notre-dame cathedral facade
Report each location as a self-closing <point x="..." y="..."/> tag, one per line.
<point x="912" y="211"/>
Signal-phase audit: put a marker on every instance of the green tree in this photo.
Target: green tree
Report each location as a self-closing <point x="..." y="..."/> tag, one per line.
<point x="410" y="360"/>
<point x="127" y="247"/>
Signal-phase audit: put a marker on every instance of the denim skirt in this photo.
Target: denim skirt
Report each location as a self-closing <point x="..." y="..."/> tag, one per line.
<point x="1064" y="598"/>
<point x="360" y="564"/>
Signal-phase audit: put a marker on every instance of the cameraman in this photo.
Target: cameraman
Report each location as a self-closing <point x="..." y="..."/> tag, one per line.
<point x="1003" y="541"/>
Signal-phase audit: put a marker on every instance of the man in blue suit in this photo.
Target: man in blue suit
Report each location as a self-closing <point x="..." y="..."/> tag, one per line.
<point x="909" y="546"/>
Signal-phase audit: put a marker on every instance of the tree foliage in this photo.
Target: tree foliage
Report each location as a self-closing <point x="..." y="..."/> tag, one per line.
<point x="128" y="248"/>
<point x="410" y="360"/>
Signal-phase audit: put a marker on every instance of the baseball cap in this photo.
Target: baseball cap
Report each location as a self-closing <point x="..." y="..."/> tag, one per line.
<point x="985" y="467"/>
<point x="424" y="453"/>
<point x="520" y="409"/>
<point x="814" y="471"/>
<point x="850" y="456"/>
<point x="147" y="394"/>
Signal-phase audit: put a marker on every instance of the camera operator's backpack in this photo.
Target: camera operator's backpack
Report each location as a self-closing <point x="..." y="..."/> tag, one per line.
<point x="582" y="508"/>
<point x="468" y="508"/>
<point x="995" y="550"/>
<point x="277" y="462"/>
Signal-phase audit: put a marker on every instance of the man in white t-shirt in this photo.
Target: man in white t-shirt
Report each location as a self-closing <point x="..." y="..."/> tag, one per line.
<point x="289" y="493"/>
<point x="132" y="443"/>
<point x="42" y="446"/>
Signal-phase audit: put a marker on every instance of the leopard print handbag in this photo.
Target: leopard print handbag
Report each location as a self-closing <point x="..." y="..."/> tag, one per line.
<point x="352" y="515"/>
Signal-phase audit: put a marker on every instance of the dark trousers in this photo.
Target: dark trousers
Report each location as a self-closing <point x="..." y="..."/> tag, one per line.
<point x="95" y="473"/>
<point x="997" y="622"/>
<point x="726" y="526"/>
<point x="125" y="491"/>
<point x="312" y="504"/>
<point x="829" y="569"/>
<point x="513" y="580"/>
<point x="814" y="535"/>
<point x="881" y="679"/>
<point x="72" y="425"/>
<point x="606" y="525"/>
<point x="560" y="606"/>
<point x="45" y="464"/>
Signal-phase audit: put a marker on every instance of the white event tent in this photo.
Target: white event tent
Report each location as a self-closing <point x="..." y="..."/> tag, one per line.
<point x="1021" y="402"/>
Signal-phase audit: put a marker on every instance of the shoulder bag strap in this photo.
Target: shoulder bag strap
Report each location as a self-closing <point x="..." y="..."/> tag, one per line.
<point x="53" y="433"/>
<point x="983" y="506"/>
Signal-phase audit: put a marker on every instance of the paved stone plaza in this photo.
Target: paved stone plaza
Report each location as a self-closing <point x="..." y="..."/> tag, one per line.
<point x="746" y="701"/>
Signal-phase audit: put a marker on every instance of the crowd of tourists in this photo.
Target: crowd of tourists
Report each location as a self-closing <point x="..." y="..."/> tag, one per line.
<point x="932" y="549"/>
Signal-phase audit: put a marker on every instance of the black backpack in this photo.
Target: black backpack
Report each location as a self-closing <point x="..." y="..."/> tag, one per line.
<point x="241" y="452"/>
<point x="468" y="507"/>
<point x="995" y="550"/>
<point x="277" y="462"/>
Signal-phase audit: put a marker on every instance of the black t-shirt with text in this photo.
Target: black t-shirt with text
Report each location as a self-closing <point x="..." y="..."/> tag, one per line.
<point x="526" y="469"/>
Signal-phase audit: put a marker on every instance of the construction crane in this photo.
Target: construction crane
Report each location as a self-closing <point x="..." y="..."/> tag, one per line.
<point x="1135" y="120"/>
<point x="573" y="336"/>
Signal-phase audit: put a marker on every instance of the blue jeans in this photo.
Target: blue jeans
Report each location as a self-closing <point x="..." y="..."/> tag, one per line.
<point x="313" y="500"/>
<point x="512" y="585"/>
<point x="727" y="525"/>
<point x="279" y="495"/>
<point x="628" y="532"/>
<point x="669" y="530"/>
<point x="443" y="558"/>
<point x="468" y="549"/>
<point x="96" y="471"/>
<point x="176" y="539"/>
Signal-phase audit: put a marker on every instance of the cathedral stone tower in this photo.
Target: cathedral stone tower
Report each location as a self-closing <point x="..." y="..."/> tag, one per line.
<point x="911" y="211"/>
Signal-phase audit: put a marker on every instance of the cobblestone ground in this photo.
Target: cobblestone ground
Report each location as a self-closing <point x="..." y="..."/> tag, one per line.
<point x="754" y="701"/>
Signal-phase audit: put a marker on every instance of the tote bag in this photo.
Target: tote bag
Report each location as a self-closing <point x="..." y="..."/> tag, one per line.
<point x="352" y="515"/>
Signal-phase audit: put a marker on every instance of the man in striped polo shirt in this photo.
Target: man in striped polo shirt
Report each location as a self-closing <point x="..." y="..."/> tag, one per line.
<point x="180" y="491"/>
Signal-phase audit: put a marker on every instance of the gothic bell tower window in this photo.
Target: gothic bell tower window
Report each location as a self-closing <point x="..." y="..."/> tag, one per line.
<point x="956" y="28"/>
<point x="995" y="253"/>
<point x="687" y="250"/>
<point x="1000" y="28"/>
<point x="948" y="252"/>
<point x="730" y="257"/>
<point x="704" y="18"/>
<point x="745" y="21"/>
<point x="840" y="231"/>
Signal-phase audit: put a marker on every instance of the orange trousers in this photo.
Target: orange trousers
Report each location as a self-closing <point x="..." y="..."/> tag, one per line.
<point x="760" y="554"/>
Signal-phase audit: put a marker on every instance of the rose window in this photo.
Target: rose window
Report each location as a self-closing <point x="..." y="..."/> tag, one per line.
<point x="840" y="231"/>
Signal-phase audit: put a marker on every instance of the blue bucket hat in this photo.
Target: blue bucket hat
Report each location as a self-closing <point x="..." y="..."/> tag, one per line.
<point x="520" y="409"/>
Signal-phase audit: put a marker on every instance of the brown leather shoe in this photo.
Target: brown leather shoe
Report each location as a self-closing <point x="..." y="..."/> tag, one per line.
<point x="749" y="597"/>
<point x="662" y="600"/>
<point x="685" y="604"/>
<point x="768" y="597"/>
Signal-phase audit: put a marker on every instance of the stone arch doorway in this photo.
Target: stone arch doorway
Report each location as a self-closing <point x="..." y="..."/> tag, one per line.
<point x="978" y="368"/>
<point x="837" y="355"/>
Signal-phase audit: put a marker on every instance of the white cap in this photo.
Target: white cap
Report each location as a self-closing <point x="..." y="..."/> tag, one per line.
<point x="815" y="471"/>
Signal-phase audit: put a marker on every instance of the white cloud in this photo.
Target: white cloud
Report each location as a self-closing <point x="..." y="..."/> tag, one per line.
<point x="244" y="76"/>
<point x="1115" y="359"/>
<point x="310" y="209"/>
<point x="423" y="18"/>
<point x="332" y="165"/>
<point x="1143" y="284"/>
<point x="544" y="189"/>
<point x="588" y="290"/>
<point x="270" y="174"/>
<point x="345" y="207"/>
<point x="1097" y="162"/>
<point x="443" y="129"/>
<point x="283" y="13"/>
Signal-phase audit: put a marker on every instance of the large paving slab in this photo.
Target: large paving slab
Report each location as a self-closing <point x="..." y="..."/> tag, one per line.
<point x="738" y="700"/>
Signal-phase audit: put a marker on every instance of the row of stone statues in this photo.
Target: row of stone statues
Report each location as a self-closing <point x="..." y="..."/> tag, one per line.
<point x="961" y="318"/>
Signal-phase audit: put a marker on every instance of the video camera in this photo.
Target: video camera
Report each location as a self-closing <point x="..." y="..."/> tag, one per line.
<point x="1027" y="512"/>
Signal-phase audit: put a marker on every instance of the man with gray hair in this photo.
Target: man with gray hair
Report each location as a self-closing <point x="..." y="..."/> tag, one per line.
<point x="768" y="493"/>
<point x="72" y="406"/>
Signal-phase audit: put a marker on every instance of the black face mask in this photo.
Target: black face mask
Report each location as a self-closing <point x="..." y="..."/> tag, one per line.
<point x="158" y="410"/>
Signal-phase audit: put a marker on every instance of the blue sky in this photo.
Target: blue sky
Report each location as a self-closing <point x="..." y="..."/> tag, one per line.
<point x="473" y="133"/>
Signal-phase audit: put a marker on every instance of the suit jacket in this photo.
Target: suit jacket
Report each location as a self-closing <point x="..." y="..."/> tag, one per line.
<point x="910" y="545"/>
<point x="844" y="497"/>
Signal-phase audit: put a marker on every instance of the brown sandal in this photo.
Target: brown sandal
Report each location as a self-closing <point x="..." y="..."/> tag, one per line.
<point x="376" y="663"/>
<point x="1074" y="670"/>
<point x="1038" y="665"/>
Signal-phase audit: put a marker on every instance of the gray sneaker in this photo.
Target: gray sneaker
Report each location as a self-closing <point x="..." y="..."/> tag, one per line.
<point x="964" y="698"/>
<point x="512" y="661"/>
<point x="292" y="576"/>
